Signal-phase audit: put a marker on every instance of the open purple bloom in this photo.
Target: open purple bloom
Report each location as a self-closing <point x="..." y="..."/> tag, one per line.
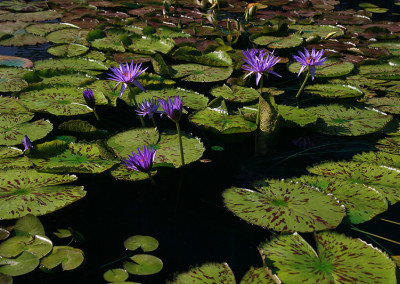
<point x="148" y="108"/>
<point x="310" y="60"/>
<point x="89" y="98"/>
<point x="126" y="75"/>
<point x="172" y="109"/>
<point x="27" y="143"/>
<point x="259" y="62"/>
<point x="143" y="161"/>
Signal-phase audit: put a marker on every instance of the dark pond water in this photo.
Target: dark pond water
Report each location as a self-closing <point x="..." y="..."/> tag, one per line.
<point x="184" y="212"/>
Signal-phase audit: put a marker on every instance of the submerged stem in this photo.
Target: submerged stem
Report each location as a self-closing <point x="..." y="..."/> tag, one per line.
<point x="180" y="143"/>
<point x="133" y="100"/>
<point x="259" y="103"/>
<point x="389" y="221"/>
<point x="304" y="83"/>
<point x="377" y="236"/>
<point x="153" y="182"/>
<point x="154" y="122"/>
<point x="95" y="114"/>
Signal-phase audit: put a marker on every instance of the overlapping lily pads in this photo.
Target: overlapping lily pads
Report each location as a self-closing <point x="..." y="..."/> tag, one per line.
<point x="151" y="44"/>
<point x="68" y="50"/>
<point x="30" y="192"/>
<point x="11" y="79"/>
<point x="290" y="41"/>
<point x="285" y="206"/>
<point x="236" y="93"/>
<point x="338" y="258"/>
<point x="200" y="73"/>
<point x="73" y="35"/>
<point x="347" y="121"/>
<point x="12" y="132"/>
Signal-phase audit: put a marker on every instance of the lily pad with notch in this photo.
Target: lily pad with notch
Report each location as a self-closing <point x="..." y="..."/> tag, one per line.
<point x="22" y="264"/>
<point x="147" y="243"/>
<point x="30" y="192"/>
<point x="340" y="120"/>
<point x="143" y="264"/>
<point x="284" y="206"/>
<point x="69" y="258"/>
<point x="337" y="258"/>
<point x="116" y="275"/>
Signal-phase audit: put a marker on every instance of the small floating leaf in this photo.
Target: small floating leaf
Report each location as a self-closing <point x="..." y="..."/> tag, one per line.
<point x="285" y="207"/>
<point x="69" y="258"/>
<point x="38" y="245"/>
<point x="29" y="225"/>
<point x="24" y="263"/>
<point x="147" y="243"/>
<point x="144" y="264"/>
<point x="116" y="275"/>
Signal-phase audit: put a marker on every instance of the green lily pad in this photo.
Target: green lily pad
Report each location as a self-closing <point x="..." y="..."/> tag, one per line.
<point x="30" y="192"/>
<point x="32" y="16"/>
<point x="214" y="121"/>
<point x="215" y="58"/>
<point x="76" y="80"/>
<point x="63" y="233"/>
<point x="38" y="245"/>
<point x="115" y="275"/>
<point x="29" y="225"/>
<point x="21" y="39"/>
<point x="259" y="275"/>
<point x="24" y="263"/>
<point x="322" y="31"/>
<point x="332" y="68"/>
<point x="168" y="150"/>
<point x="147" y="243"/>
<point x="10" y="152"/>
<point x="65" y="101"/>
<point x="77" y="64"/>
<point x="122" y="172"/>
<point x="10" y="105"/>
<point x="109" y="43"/>
<point x="13" y="134"/>
<point x="11" y="79"/>
<point x="143" y="264"/>
<point x="393" y="47"/>
<point x="362" y="202"/>
<point x="77" y="158"/>
<point x="385" y="70"/>
<point x="296" y="117"/>
<point x="69" y="258"/>
<point x="236" y="94"/>
<point x="389" y="104"/>
<point x="125" y="142"/>
<point x="68" y="50"/>
<point x="208" y="273"/>
<point x="382" y="178"/>
<point x="151" y="44"/>
<point x="334" y="91"/>
<point x="338" y="259"/>
<point x="378" y="158"/>
<point x="274" y="42"/>
<point x="73" y="35"/>
<point x="339" y="120"/>
<point x="170" y="32"/>
<point x="377" y="10"/>
<point x="200" y="73"/>
<point x="42" y="29"/>
<point x="284" y="206"/>
<point x="389" y="145"/>
<point x="84" y="129"/>
<point x="15" y="162"/>
<point x="106" y="87"/>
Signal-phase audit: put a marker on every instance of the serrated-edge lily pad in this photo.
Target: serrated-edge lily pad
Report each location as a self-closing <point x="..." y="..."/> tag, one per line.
<point x="77" y="158"/>
<point x="274" y="42"/>
<point x="143" y="264"/>
<point x="38" y="245"/>
<point x="9" y="152"/>
<point x="332" y="68"/>
<point x="24" y="263"/>
<point x="34" y="130"/>
<point x="379" y="158"/>
<point x="147" y="243"/>
<point x="334" y="91"/>
<point x="338" y="259"/>
<point x="207" y="273"/>
<point x="362" y="202"/>
<point x="342" y="121"/>
<point x="389" y="145"/>
<point x="28" y="191"/>
<point x="259" y="275"/>
<point x="168" y="150"/>
<point x="116" y="275"/>
<point x="69" y="258"/>
<point x="284" y="206"/>
<point x="214" y="121"/>
<point x="236" y="94"/>
<point x="200" y="73"/>
<point x="11" y="105"/>
<point x="296" y="117"/>
<point x="384" y="179"/>
<point x="388" y="104"/>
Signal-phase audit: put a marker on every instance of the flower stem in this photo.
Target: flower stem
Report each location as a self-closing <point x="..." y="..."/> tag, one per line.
<point x="95" y="113"/>
<point x="180" y="143"/>
<point x="304" y="83"/>
<point x="154" y="122"/>
<point x="133" y="100"/>
<point x="153" y="182"/>
<point x="259" y="103"/>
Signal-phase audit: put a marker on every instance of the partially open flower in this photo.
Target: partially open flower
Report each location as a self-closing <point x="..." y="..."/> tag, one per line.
<point x="89" y="98"/>
<point x="143" y="161"/>
<point x="173" y="109"/>
<point x="26" y="143"/>
<point x="126" y="75"/>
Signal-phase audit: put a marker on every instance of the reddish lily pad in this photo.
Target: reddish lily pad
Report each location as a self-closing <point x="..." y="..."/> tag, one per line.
<point x="15" y="61"/>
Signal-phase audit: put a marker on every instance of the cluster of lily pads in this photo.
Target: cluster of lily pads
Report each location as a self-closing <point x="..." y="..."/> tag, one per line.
<point x="194" y="57"/>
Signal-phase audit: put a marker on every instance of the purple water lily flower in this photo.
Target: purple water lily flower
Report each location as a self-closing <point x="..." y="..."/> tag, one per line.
<point x="310" y="60"/>
<point x="89" y="98"/>
<point x="26" y="143"/>
<point x="143" y="161"/>
<point x="172" y="109"/>
<point x="126" y="75"/>
<point x="259" y="61"/>
<point x="148" y="108"/>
